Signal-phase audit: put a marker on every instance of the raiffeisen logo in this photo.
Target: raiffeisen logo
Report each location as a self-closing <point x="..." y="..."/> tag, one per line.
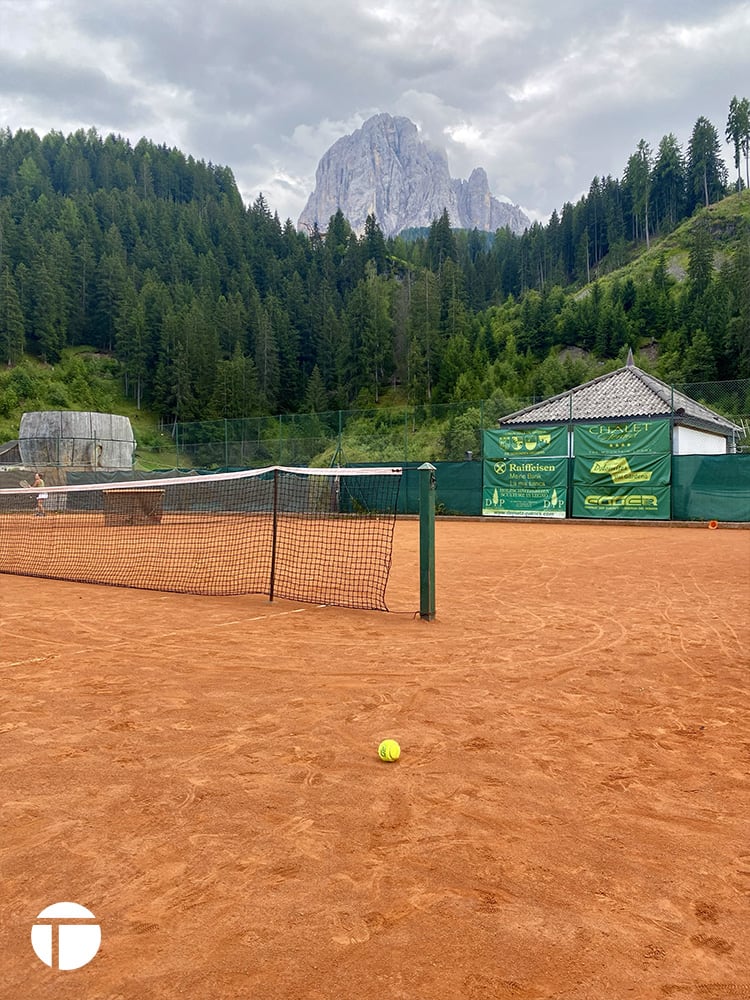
<point x="67" y="938"/>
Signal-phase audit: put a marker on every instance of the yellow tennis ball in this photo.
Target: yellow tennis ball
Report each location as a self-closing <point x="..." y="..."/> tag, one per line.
<point x="389" y="750"/>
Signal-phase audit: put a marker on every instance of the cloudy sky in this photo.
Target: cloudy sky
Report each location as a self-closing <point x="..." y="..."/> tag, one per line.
<point x="544" y="94"/>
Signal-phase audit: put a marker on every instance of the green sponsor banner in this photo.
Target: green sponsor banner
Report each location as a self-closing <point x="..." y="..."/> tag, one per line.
<point x="622" y="470"/>
<point x="527" y="473"/>
<point x="634" y="436"/>
<point x="645" y="502"/>
<point x="508" y="502"/>
<point x="507" y="442"/>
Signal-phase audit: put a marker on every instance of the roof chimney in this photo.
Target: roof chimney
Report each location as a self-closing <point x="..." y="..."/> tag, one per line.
<point x="630" y="363"/>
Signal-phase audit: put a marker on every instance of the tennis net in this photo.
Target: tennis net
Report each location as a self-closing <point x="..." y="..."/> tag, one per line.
<point x="323" y="536"/>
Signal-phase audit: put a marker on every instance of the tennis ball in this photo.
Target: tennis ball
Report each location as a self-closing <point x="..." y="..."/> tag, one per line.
<point x="389" y="750"/>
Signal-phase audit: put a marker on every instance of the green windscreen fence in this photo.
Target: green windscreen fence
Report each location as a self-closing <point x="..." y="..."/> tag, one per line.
<point x="703" y="487"/>
<point x="711" y="487"/>
<point x="458" y="487"/>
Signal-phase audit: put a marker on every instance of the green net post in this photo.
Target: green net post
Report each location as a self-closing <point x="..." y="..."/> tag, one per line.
<point x="427" y="541"/>
<point x="274" y="535"/>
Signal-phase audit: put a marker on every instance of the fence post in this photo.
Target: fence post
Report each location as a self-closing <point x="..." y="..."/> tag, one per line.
<point x="427" y="541"/>
<point x="671" y="454"/>
<point x="570" y="452"/>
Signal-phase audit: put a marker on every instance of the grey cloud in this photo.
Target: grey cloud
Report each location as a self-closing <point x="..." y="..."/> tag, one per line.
<point x="59" y="88"/>
<point x="555" y="93"/>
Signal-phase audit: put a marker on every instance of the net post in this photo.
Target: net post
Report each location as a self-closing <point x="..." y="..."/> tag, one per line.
<point x="272" y="576"/>
<point x="427" y="541"/>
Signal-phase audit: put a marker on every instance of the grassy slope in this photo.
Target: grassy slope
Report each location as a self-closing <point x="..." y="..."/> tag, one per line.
<point x="726" y="219"/>
<point x="83" y="380"/>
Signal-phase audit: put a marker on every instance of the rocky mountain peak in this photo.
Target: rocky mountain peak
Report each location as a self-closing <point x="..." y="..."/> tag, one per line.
<point x="385" y="169"/>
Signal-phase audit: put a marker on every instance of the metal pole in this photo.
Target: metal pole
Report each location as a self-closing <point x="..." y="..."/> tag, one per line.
<point x="272" y="579"/>
<point x="671" y="455"/>
<point x="427" y="541"/>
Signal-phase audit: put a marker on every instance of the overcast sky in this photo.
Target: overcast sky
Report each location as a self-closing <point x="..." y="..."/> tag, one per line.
<point x="544" y="94"/>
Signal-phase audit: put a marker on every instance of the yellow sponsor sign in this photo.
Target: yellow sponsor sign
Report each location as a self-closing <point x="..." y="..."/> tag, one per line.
<point x="620" y="471"/>
<point x="633" y="500"/>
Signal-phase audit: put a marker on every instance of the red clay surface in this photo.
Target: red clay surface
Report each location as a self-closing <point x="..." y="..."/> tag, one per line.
<point x="568" y="819"/>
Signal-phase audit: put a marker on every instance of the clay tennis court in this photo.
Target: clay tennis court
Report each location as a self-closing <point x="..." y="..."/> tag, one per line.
<point x="568" y="819"/>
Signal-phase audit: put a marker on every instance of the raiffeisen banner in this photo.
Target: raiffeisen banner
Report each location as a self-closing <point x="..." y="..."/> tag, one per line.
<point x="530" y="441"/>
<point x="515" y="502"/>
<point x="525" y="472"/>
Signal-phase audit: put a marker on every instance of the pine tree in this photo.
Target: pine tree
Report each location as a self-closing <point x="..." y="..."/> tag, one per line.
<point x="441" y="242"/>
<point x="373" y="244"/>
<point x="700" y="362"/>
<point x="736" y="273"/>
<point x="424" y="314"/>
<point x="236" y="392"/>
<point x="131" y="340"/>
<point x="637" y="181"/>
<point x="668" y="183"/>
<point x="738" y="134"/>
<point x="48" y="323"/>
<point x="316" y="397"/>
<point x="12" y="336"/>
<point x="700" y="261"/>
<point x="706" y="173"/>
<point x="266" y="359"/>
<point x="110" y="281"/>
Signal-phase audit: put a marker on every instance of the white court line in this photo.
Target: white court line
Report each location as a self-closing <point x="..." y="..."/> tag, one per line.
<point x="125" y="640"/>
<point x="35" y="659"/>
<point x="260" y="618"/>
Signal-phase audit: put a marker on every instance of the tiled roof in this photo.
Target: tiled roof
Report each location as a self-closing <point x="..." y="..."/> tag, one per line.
<point x="622" y="395"/>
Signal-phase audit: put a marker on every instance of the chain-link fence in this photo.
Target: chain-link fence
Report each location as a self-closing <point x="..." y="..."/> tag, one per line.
<point x="390" y="435"/>
<point x="731" y="399"/>
<point x="427" y="433"/>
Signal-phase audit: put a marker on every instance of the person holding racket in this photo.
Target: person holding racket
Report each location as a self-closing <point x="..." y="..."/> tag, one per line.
<point x="40" y="497"/>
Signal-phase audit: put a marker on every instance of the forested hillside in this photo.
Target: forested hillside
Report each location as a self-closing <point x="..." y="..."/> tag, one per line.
<point x="212" y="309"/>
